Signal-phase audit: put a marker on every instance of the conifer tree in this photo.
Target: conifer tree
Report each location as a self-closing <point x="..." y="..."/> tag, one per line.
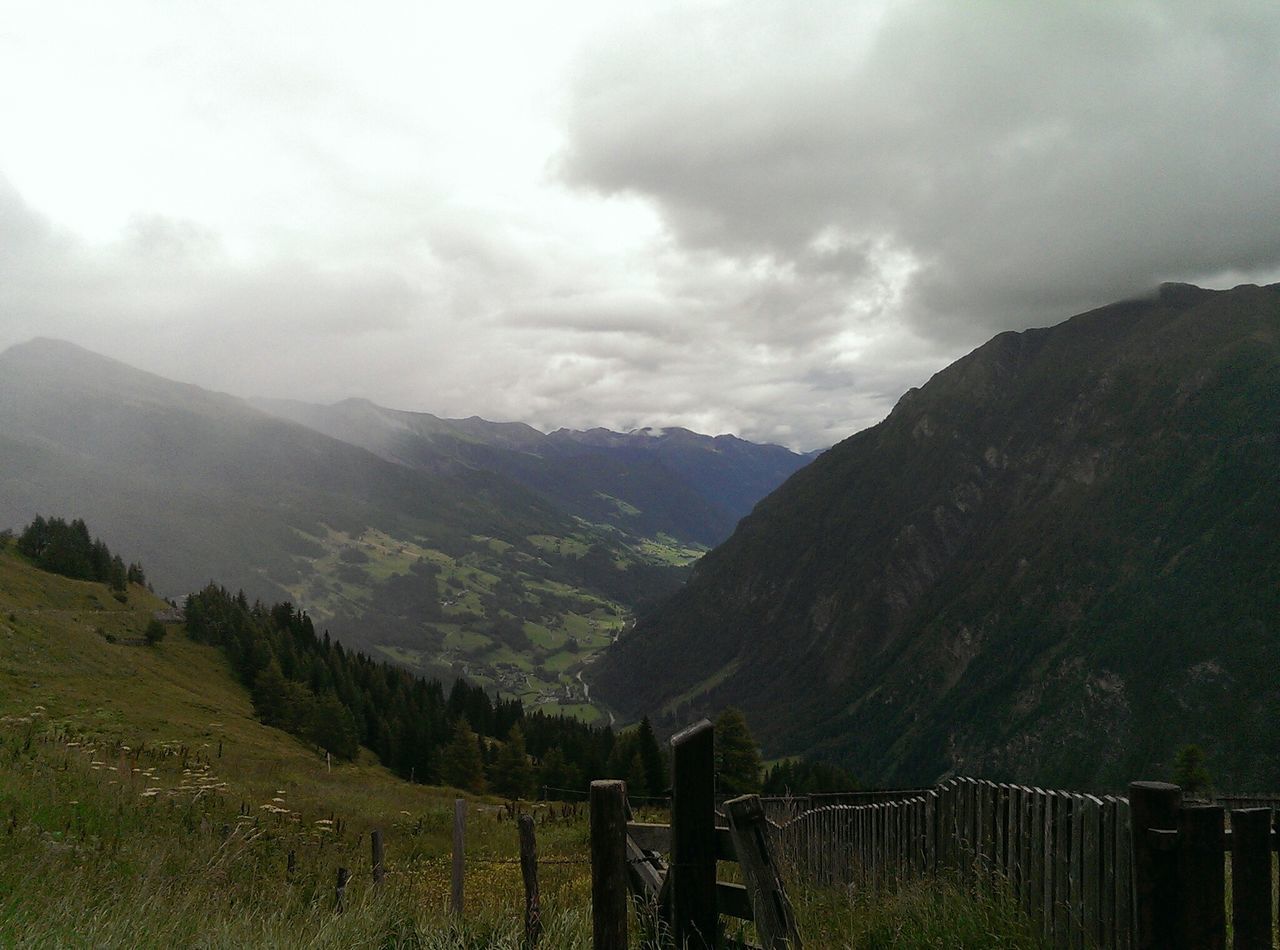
<point x="737" y="755"/>
<point x="461" y="765"/>
<point x="512" y="771"/>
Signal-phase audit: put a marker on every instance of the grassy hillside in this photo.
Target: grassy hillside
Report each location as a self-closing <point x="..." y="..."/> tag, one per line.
<point x="142" y="804"/>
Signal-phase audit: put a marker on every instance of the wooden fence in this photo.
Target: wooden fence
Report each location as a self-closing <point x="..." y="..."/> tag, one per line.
<point x="1065" y="856"/>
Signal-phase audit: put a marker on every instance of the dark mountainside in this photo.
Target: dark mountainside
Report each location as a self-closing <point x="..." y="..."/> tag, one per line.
<point x="1058" y="561"/>
<point x="691" y="487"/>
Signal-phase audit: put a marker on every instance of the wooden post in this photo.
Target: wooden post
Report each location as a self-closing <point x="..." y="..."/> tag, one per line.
<point x="1201" y="878"/>
<point x="694" y="916"/>
<point x="529" y="871"/>
<point x="609" y="865"/>
<point x="375" y="845"/>
<point x="1154" y="807"/>
<point x="774" y="919"/>
<point x="340" y="891"/>
<point x="459" y="855"/>
<point x="1251" y="878"/>
<point x="291" y="865"/>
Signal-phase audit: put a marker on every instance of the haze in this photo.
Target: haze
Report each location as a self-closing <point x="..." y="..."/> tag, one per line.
<point x="762" y="218"/>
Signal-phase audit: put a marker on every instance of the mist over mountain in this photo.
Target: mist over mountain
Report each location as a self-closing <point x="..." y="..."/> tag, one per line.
<point x="691" y="487"/>
<point x="1057" y="561"/>
<point x="453" y="547"/>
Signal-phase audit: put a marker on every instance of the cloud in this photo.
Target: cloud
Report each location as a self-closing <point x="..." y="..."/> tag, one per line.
<point x="1031" y="160"/>
<point x="756" y="217"/>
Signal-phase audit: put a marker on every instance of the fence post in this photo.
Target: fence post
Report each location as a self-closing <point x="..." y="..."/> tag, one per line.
<point x="340" y="890"/>
<point x="375" y="844"/>
<point x="459" y="857"/>
<point x="1201" y="878"/>
<point x="529" y="872"/>
<point x="609" y="865"/>
<point x="1251" y="878"/>
<point x="1154" y="807"/>
<point x="694" y="916"/>
<point x="775" y="920"/>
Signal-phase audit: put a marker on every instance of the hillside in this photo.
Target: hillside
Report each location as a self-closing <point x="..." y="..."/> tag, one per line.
<point x="444" y="573"/>
<point x="1058" y="561"/>
<point x="647" y="484"/>
<point x="144" y="805"/>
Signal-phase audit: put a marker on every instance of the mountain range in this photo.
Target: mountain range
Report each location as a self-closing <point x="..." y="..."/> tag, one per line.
<point x="1058" y="562"/>
<point x="470" y="547"/>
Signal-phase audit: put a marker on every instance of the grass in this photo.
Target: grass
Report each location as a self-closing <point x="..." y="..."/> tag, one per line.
<point x="142" y="805"/>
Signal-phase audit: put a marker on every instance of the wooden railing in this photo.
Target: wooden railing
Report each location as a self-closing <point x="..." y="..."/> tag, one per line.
<point x="1064" y="856"/>
<point x="672" y="867"/>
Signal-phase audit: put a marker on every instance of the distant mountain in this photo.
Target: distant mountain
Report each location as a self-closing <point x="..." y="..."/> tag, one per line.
<point x="1058" y="562"/>
<point x="453" y="549"/>
<point x="649" y="482"/>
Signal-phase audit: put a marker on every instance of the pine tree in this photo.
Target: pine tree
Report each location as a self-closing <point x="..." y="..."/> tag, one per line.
<point x="461" y="765"/>
<point x="655" y="763"/>
<point x="512" y="771"/>
<point x="737" y="755"/>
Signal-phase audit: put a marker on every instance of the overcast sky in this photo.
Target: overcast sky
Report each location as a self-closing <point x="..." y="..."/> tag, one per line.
<point x="759" y="217"/>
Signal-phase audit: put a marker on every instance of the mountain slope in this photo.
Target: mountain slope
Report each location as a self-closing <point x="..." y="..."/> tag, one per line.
<point x="1058" y="561"/>
<point x="447" y="572"/>
<point x="648" y="483"/>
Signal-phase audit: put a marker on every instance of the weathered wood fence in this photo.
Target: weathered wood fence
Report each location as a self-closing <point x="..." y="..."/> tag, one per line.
<point x="1065" y="856"/>
<point x="628" y="858"/>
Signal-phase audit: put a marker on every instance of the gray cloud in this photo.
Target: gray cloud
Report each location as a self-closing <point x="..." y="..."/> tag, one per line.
<point x="1032" y="159"/>
<point x="758" y="217"/>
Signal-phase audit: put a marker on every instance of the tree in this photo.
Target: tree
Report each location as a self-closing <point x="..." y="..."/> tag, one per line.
<point x="461" y="765"/>
<point x="512" y="771"/>
<point x="155" y="632"/>
<point x="737" y="755"/>
<point x="655" y="763"/>
<point x="1189" y="771"/>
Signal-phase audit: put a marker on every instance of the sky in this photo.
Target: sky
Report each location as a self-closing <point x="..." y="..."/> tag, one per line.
<point x="764" y="218"/>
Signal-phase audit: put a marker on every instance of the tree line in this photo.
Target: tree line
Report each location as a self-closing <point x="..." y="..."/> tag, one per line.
<point x="338" y="700"/>
<point x="66" y="548"/>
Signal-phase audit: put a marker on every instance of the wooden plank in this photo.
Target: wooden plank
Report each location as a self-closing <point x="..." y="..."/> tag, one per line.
<point x="1033" y="850"/>
<point x="609" y="865"/>
<point x="1201" y="878"/>
<point x="1124" y="877"/>
<point x="1107" y="878"/>
<point x="693" y="852"/>
<point x="1251" y="878"/>
<point x="1062" y="872"/>
<point x="1048" y="840"/>
<point x="733" y="900"/>
<point x="770" y="909"/>
<point x="1091" y="870"/>
<point x="645" y="870"/>
<point x="1075" y="874"/>
<point x="931" y="833"/>
<point x="1153" y="805"/>
<point x="650" y="837"/>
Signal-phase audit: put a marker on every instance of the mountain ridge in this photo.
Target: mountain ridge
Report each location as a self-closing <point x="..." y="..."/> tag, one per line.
<point x="946" y="583"/>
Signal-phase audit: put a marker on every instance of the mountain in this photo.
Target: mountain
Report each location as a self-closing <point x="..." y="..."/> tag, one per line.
<point x="646" y="484"/>
<point x="513" y="572"/>
<point x="1058" y="561"/>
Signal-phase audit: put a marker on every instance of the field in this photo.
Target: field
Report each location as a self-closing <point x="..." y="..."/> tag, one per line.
<point x="485" y="610"/>
<point x="141" y="804"/>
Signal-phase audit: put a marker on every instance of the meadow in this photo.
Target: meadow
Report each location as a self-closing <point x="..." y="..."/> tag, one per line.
<point x="142" y="804"/>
